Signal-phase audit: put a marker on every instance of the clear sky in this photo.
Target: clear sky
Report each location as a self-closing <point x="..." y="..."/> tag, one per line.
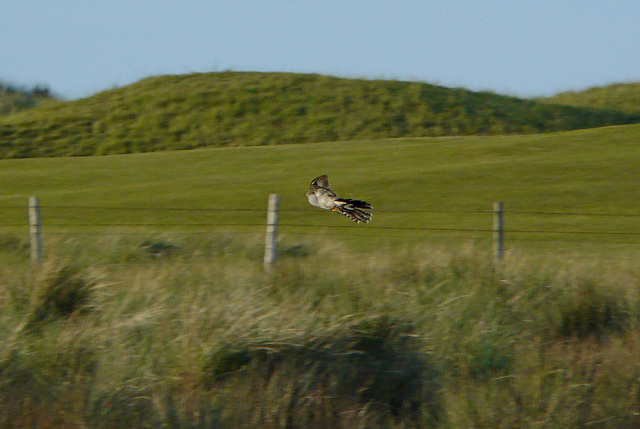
<point x="518" y="47"/>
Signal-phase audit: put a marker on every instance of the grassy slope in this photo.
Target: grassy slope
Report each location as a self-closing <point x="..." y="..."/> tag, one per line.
<point x="588" y="171"/>
<point x="623" y="97"/>
<point x="237" y="109"/>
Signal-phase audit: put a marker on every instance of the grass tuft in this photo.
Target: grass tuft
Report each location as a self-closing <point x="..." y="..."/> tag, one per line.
<point x="489" y="358"/>
<point x="13" y="244"/>
<point x="62" y="292"/>
<point x="372" y="368"/>
<point x="591" y="309"/>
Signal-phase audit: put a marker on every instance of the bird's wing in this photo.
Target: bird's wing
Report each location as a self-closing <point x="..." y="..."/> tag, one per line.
<point x="320" y="182"/>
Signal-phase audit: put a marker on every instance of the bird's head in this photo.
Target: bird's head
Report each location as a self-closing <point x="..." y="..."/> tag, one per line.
<point x="313" y="198"/>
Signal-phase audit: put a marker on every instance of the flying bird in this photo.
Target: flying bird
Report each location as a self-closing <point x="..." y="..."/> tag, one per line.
<point x="321" y="195"/>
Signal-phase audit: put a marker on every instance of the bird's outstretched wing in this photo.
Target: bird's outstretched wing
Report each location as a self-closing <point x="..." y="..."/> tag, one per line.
<point x="321" y="182"/>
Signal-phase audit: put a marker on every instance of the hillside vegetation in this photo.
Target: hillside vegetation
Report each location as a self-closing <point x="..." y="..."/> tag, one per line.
<point x="15" y="99"/>
<point x="624" y="97"/>
<point x="238" y="109"/>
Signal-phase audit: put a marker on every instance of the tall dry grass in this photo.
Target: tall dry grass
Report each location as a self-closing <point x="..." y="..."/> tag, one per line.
<point x="183" y="331"/>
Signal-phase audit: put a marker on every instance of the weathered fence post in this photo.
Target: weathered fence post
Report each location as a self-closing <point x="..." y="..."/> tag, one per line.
<point x="498" y="230"/>
<point x="271" y="239"/>
<point x="34" y="230"/>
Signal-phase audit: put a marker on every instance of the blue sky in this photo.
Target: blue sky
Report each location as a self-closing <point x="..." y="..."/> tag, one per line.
<point x="523" y="48"/>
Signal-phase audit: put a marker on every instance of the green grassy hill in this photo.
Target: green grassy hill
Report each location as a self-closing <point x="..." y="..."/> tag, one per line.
<point x="622" y="97"/>
<point x="241" y="109"/>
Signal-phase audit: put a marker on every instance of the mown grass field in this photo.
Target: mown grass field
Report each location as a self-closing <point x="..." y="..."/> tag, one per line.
<point x="421" y="189"/>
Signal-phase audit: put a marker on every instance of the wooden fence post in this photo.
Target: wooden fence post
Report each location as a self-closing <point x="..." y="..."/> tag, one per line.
<point x="34" y="230"/>
<point x="498" y="230"/>
<point x="271" y="239"/>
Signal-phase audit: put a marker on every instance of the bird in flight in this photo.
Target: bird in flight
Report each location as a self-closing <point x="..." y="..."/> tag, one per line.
<point x="321" y="195"/>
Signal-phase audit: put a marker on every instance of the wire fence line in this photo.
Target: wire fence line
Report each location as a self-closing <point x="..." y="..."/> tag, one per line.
<point x="66" y="223"/>
<point x="77" y="220"/>
<point x="299" y="210"/>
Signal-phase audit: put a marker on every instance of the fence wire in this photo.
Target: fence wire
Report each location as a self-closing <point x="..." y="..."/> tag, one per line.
<point x="70" y="224"/>
<point x="300" y="210"/>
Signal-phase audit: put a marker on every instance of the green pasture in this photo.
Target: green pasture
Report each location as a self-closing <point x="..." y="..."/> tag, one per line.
<point x="573" y="191"/>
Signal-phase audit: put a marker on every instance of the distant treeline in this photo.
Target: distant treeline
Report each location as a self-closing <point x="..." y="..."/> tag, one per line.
<point x="247" y="108"/>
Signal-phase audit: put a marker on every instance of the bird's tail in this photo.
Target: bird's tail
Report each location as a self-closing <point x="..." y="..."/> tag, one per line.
<point x="354" y="209"/>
